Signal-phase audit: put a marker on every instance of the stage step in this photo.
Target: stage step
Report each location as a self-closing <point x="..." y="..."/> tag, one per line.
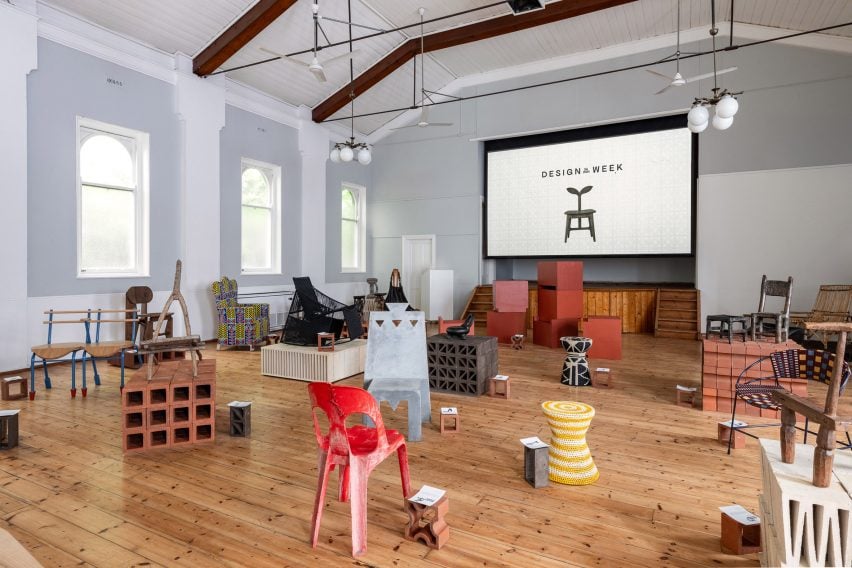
<point x="677" y="314"/>
<point x="481" y="301"/>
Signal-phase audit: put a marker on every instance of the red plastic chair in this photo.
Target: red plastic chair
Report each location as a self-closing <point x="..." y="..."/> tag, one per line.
<point x="357" y="450"/>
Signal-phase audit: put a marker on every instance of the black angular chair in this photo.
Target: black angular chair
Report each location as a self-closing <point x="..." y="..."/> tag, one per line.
<point x="808" y="364"/>
<point x="461" y="331"/>
<point x="312" y="312"/>
<point x="579" y="214"/>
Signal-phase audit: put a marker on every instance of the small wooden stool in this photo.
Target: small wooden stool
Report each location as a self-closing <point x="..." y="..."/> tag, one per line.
<point x="518" y="341"/>
<point x="240" y="424"/>
<point x="448" y="413"/>
<point x="23" y="389"/>
<point x="325" y="342"/>
<point x="9" y="430"/>
<point x="686" y="396"/>
<point x="494" y="388"/>
<point x="427" y="523"/>
<point x="740" y="537"/>
<point x="602" y="377"/>
<point x="724" y="434"/>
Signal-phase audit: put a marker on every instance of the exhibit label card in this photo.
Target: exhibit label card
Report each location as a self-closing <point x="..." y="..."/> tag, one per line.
<point x="740" y="514"/>
<point x="449" y="410"/>
<point x="533" y="443"/>
<point x="427" y="495"/>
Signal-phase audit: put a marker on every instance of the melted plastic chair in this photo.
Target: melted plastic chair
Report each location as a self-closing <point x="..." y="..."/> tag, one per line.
<point x="808" y="364"/>
<point x="357" y="450"/>
<point x="461" y="330"/>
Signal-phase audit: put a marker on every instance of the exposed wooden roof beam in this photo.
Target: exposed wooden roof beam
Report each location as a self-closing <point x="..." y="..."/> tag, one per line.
<point x="250" y="24"/>
<point x="457" y="36"/>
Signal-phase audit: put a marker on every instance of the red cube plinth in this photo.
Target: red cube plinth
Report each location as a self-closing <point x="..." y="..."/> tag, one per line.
<point x="503" y="325"/>
<point x="605" y="333"/>
<point x="560" y="304"/>
<point x="511" y="295"/>
<point x="548" y="332"/>
<point x="561" y="275"/>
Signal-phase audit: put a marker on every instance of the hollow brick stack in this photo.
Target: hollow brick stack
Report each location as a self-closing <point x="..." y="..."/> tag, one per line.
<point x="722" y="364"/>
<point x="173" y="409"/>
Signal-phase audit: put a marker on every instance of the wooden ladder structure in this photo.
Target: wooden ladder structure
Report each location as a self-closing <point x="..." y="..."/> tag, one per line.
<point x="678" y="313"/>
<point x="481" y="301"/>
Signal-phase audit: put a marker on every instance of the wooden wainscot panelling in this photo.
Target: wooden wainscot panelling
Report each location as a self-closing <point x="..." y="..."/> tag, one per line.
<point x="635" y="306"/>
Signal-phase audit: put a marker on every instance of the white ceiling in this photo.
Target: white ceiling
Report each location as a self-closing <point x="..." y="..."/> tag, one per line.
<point x="188" y="26"/>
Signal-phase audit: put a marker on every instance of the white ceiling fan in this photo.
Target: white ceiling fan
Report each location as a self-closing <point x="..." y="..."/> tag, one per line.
<point x="678" y="80"/>
<point x="316" y="67"/>
<point x="423" y="120"/>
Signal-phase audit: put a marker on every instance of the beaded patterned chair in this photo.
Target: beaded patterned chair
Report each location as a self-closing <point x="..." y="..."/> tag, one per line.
<point x="806" y="364"/>
<point x="239" y="324"/>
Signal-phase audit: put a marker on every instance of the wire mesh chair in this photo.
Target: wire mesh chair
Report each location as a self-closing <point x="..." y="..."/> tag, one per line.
<point x="312" y="312"/>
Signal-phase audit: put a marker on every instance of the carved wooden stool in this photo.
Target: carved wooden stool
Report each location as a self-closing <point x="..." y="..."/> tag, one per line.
<point x="448" y="414"/>
<point x="427" y="523"/>
<point x="494" y="388"/>
<point x="518" y="341"/>
<point x="325" y="342"/>
<point x="5" y="392"/>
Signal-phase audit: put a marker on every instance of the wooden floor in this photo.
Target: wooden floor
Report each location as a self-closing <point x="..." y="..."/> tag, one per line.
<point x="69" y="495"/>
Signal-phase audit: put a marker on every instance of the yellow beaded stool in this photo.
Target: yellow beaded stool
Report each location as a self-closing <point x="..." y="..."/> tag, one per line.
<point x="570" y="460"/>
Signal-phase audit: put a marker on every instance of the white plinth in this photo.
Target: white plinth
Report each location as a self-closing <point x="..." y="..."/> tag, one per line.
<point x="804" y="525"/>
<point x="305" y="363"/>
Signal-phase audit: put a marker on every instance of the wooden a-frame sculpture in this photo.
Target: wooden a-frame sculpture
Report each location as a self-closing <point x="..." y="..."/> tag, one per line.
<point x="188" y="342"/>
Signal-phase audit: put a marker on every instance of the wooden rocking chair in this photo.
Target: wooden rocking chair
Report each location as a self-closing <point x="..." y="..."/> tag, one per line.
<point x="159" y="344"/>
<point x="833" y="304"/>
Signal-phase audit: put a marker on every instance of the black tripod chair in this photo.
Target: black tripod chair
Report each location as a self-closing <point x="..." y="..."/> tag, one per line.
<point x="579" y="214"/>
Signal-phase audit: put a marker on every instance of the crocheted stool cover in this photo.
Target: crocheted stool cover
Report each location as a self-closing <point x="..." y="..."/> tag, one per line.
<point x="570" y="460"/>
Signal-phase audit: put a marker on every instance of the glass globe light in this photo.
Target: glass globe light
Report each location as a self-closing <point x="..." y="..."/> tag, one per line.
<point x="727" y="107"/>
<point x="335" y="155"/>
<point x="698" y="114"/>
<point x="364" y="156"/>
<point x="346" y="154"/>
<point x="696" y="128"/>
<point x="722" y="123"/>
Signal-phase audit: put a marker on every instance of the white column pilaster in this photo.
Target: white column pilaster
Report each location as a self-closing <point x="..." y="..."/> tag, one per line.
<point x="200" y="106"/>
<point x="313" y="145"/>
<point x="18" y="56"/>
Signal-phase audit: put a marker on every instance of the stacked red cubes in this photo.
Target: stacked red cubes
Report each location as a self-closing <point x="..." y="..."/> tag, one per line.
<point x="172" y="409"/>
<point x="560" y="301"/>
<point x="509" y="316"/>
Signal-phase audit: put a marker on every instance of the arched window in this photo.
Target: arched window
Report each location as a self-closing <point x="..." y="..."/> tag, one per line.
<point x="112" y="197"/>
<point x="261" y="219"/>
<point x="352" y="229"/>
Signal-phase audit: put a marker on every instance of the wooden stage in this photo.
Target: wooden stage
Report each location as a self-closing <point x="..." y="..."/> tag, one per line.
<point x="69" y="495"/>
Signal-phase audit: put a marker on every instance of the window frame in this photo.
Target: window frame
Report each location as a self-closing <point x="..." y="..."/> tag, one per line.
<point x="141" y="201"/>
<point x="360" y="193"/>
<point x="273" y="171"/>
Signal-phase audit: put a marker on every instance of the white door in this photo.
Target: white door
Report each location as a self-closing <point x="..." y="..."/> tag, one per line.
<point x="418" y="255"/>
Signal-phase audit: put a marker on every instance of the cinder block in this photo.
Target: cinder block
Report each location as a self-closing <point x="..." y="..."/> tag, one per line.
<point x="204" y="390"/>
<point x="561" y="275"/>
<point x="133" y="420"/>
<point x="134" y="394"/>
<point x="548" y="332"/>
<point x="202" y="412"/>
<point x="158" y="392"/>
<point x="181" y="389"/>
<point x="182" y="435"/>
<point x="158" y="417"/>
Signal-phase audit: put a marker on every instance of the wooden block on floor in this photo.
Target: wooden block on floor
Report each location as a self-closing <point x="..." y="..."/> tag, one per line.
<point x="686" y="395"/>
<point x="724" y="432"/>
<point x="740" y="533"/>
<point x="14" y="388"/>
<point x="498" y="386"/>
<point x="450" y="421"/>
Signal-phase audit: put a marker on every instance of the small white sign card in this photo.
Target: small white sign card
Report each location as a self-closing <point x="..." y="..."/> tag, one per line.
<point x="533" y="443"/>
<point x="740" y="514"/>
<point x="9" y="412"/>
<point x="501" y="377"/>
<point x="427" y="495"/>
<point x="449" y="410"/>
<point x="686" y="389"/>
<point x="10" y="379"/>
<point x="737" y="424"/>
<point x="602" y="369"/>
<point x="239" y="403"/>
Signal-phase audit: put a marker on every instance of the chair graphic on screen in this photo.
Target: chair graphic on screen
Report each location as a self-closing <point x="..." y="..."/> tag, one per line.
<point x="579" y="214"/>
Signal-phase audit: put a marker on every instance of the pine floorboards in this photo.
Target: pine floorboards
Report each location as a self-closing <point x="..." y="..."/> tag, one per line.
<point x="70" y="496"/>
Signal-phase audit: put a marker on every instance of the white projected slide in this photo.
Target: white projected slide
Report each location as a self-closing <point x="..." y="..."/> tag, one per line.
<point x="640" y="199"/>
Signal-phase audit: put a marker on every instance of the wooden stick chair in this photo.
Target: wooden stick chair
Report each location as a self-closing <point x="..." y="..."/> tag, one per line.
<point x="98" y="349"/>
<point x="779" y="319"/>
<point x="158" y="343"/>
<point x="357" y="450"/>
<point x="55" y="351"/>
<point x="833" y="304"/>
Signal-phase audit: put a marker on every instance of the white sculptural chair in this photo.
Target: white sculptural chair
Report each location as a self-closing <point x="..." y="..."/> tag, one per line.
<point x="396" y="367"/>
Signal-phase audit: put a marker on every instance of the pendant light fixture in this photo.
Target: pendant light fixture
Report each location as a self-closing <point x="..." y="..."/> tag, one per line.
<point x="724" y="101"/>
<point x="350" y="150"/>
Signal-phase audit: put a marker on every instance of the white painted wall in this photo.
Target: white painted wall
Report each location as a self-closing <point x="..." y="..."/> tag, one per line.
<point x="792" y="222"/>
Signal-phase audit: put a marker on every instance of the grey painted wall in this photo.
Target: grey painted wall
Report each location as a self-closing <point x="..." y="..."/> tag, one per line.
<point x="248" y="135"/>
<point x="794" y="113"/>
<point x="68" y="84"/>
<point x="336" y="175"/>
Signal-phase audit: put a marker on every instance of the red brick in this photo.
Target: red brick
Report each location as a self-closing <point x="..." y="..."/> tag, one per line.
<point x="158" y="394"/>
<point x="710" y="345"/>
<point x="181" y="415"/>
<point x="709" y="404"/>
<point x="204" y="390"/>
<point x="723" y="404"/>
<point x="753" y="349"/>
<point x="711" y="359"/>
<point x="738" y="363"/>
<point x="158" y="417"/>
<point x="202" y="433"/>
<point x="134" y="441"/>
<point x="158" y="438"/>
<point x="725" y="347"/>
<point x="709" y="392"/>
<point x="182" y="435"/>
<point x="738" y="348"/>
